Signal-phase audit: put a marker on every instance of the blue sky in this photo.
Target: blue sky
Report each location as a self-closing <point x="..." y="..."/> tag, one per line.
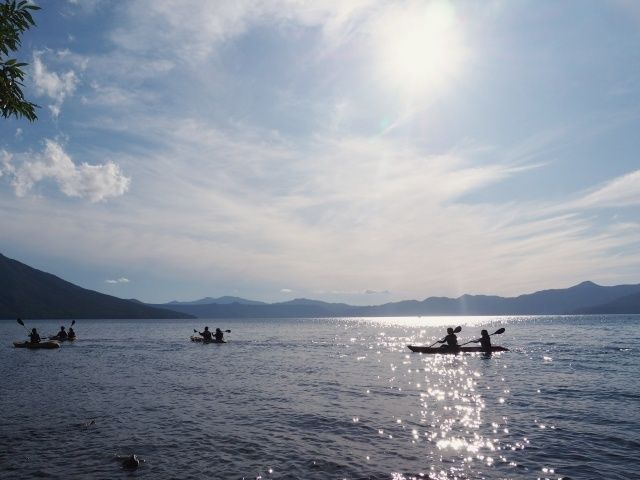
<point x="352" y="151"/>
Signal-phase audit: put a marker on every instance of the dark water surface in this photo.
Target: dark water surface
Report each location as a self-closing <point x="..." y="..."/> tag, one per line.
<point x="324" y="399"/>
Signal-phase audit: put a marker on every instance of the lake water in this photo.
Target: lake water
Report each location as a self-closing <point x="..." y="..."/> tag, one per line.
<point x="324" y="399"/>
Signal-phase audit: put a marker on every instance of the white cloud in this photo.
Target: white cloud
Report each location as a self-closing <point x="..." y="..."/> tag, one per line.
<point x="286" y="290"/>
<point x="623" y="191"/>
<point x="118" y="280"/>
<point x="53" y="85"/>
<point x="5" y="163"/>
<point x="94" y="182"/>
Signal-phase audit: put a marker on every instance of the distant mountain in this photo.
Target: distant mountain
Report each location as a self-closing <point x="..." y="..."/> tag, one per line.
<point x="625" y="305"/>
<point x="30" y="293"/>
<point x="220" y="301"/>
<point x="546" y="302"/>
<point x="286" y="310"/>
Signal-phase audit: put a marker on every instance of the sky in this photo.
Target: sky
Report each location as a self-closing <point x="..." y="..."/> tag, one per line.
<point x="343" y="150"/>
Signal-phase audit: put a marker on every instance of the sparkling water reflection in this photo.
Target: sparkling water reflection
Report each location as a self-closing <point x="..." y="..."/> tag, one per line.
<point x="319" y="399"/>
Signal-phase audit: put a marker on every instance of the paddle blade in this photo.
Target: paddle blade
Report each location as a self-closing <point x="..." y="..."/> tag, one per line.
<point x="228" y="331"/>
<point x="458" y="329"/>
<point x="195" y="331"/>
<point x="498" y="332"/>
<point x="20" y="321"/>
<point x="73" y="323"/>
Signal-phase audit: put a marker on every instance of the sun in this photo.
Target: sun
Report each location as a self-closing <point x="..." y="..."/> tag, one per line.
<point x="419" y="47"/>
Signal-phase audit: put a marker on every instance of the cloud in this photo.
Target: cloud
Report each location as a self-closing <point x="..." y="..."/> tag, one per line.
<point x="200" y="27"/>
<point x="286" y="290"/>
<point x="94" y="182"/>
<point x="53" y="85"/>
<point x="118" y="280"/>
<point x="6" y="167"/>
<point x="623" y="191"/>
<point x="376" y="292"/>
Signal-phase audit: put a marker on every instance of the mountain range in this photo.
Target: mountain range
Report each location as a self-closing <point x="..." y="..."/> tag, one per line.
<point x="584" y="298"/>
<point x="31" y="293"/>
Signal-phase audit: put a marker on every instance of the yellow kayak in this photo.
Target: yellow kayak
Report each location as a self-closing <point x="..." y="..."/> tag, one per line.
<point x="33" y="346"/>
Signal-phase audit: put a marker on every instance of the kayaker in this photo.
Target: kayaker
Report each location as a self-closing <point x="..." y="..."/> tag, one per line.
<point x="71" y="333"/>
<point x="206" y="334"/>
<point x="219" y="335"/>
<point x="484" y="341"/>
<point x="33" y="336"/>
<point x="62" y="334"/>
<point x="450" y="340"/>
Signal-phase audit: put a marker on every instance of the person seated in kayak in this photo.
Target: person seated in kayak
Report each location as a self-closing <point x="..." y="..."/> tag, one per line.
<point x="450" y="340"/>
<point x="62" y="334"/>
<point x="484" y="341"/>
<point x="33" y="336"/>
<point x="206" y="335"/>
<point x="71" y="333"/>
<point x="219" y="335"/>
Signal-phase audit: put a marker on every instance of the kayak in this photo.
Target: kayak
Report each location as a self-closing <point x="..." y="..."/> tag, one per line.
<point x="454" y="351"/>
<point x="201" y="340"/>
<point x="48" y="345"/>
<point x="68" y="339"/>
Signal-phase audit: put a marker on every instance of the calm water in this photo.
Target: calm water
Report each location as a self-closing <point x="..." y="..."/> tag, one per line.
<point x="324" y="399"/>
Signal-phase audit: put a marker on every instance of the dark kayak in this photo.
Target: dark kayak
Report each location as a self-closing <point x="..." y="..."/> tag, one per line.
<point x="413" y="348"/>
<point x="33" y="346"/>
<point x="68" y="339"/>
<point x="200" y="339"/>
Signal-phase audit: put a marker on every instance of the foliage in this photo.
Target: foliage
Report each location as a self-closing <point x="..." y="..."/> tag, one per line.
<point x="15" y="19"/>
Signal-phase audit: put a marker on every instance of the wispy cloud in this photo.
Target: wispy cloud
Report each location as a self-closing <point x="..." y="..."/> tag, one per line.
<point x="623" y="191"/>
<point x="160" y="26"/>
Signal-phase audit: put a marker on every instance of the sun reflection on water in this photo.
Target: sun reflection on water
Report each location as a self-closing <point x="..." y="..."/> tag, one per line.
<point x="452" y="426"/>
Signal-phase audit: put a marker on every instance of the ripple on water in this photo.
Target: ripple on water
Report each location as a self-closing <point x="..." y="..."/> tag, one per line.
<point x="324" y="399"/>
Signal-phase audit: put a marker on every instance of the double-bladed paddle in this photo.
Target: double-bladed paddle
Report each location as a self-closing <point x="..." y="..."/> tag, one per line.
<point x="455" y="330"/>
<point x="19" y="320"/>
<point x="497" y="332"/>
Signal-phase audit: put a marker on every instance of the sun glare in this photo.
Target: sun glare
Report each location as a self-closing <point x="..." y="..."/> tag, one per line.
<point x="420" y="48"/>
